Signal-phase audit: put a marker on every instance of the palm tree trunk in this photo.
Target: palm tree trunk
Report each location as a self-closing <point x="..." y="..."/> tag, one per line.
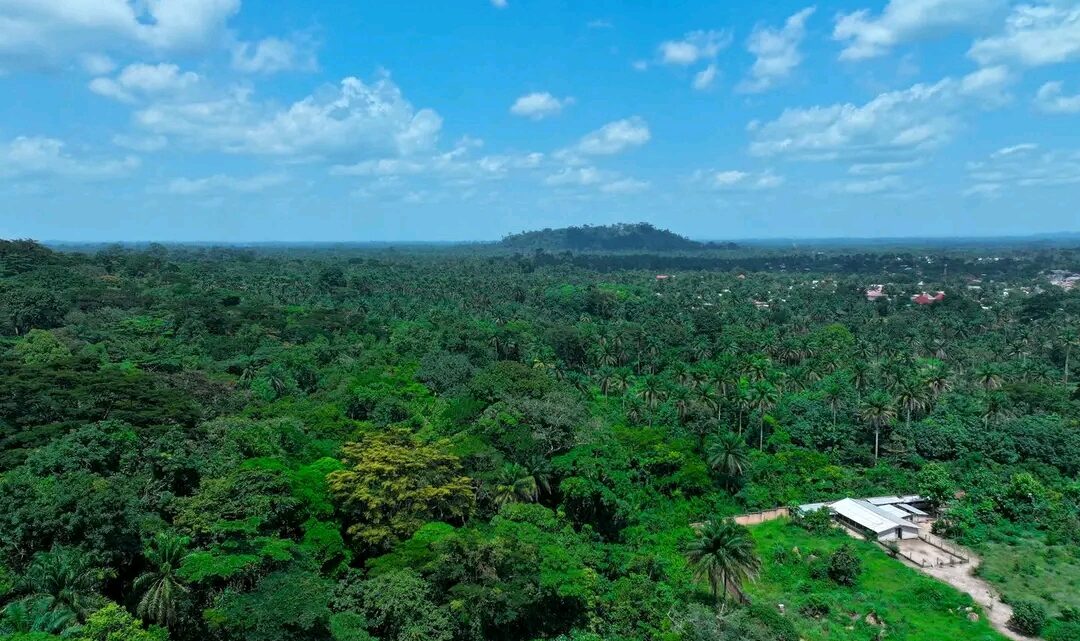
<point x="761" y="432"/>
<point x="877" y="433"/>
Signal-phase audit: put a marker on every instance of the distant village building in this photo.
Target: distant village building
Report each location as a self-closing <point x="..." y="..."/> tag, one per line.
<point x="927" y="299"/>
<point x="882" y="518"/>
<point x="875" y="292"/>
<point x="1065" y="280"/>
<point x="663" y="276"/>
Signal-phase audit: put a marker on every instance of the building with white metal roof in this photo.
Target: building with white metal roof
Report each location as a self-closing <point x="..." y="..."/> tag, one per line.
<point x="886" y="518"/>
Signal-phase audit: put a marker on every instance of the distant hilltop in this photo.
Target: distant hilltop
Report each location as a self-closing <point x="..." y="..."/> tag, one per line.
<point x="620" y="237"/>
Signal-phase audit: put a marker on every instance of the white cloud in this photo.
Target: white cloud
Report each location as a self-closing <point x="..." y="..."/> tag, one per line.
<point x="705" y="78"/>
<point x="1051" y="99"/>
<point x="872" y="186"/>
<point x="600" y="24"/>
<point x="499" y="4"/>
<point x="878" y="168"/>
<point x="1022" y="148"/>
<point x="897" y="122"/>
<point x="868" y="36"/>
<point x="353" y="119"/>
<point x="97" y="64"/>
<point x="608" y="182"/>
<point x="578" y="176"/>
<point x="539" y="105"/>
<point x="457" y="163"/>
<point x="30" y="157"/>
<point x="143" y="80"/>
<point x="734" y="179"/>
<point x="272" y="55"/>
<point x="223" y="183"/>
<point x="615" y="137"/>
<point x="640" y="65"/>
<point x="694" y="46"/>
<point x="1034" y="35"/>
<point x="1022" y="166"/>
<point x="145" y="144"/>
<point x="625" y="186"/>
<point x="777" y="52"/>
<point x="40" y="34"/>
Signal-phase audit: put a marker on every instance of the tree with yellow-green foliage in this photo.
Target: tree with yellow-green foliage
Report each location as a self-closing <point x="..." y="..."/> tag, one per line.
<point x="392" y="484"/>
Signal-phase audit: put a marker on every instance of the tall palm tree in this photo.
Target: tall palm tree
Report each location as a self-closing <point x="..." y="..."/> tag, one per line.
<point x="763" y="397"/>
<point x="728" y="456"/>
<point x="877" y="411"/>
<point x="65" y="582"/>
<point x="1071" y="339"/>
<point x="833" y="391"/>
<point x="161" y="587"/>
<point x="514" y="484"/>
<point x="723" y="552"/>
<point x="936" y="377"/>
<point x="988" y="376"/>
<point x="29" y="616"/>
<point x="911" y="397"/>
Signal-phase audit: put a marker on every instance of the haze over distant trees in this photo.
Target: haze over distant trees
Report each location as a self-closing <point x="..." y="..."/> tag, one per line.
<point x="619" y="237"/>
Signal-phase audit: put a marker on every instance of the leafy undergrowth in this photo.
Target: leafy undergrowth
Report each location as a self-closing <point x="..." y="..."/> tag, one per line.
<point x="888" y="601"/>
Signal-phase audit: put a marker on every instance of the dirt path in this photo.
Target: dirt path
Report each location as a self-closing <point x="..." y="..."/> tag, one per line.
<point x="962" y="578"/>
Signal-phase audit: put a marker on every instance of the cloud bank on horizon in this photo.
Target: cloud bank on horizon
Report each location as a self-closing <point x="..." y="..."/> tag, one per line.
<point x="214" y="120"/>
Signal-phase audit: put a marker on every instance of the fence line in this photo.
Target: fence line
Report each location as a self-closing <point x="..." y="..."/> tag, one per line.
<point x="944" y="546"/>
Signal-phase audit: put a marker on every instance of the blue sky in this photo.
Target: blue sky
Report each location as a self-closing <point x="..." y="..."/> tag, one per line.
<point x="237" y="120"/>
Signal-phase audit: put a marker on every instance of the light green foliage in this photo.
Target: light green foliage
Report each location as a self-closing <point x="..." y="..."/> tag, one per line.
<point x="40" y="347"/>
<point x="113" y="623"/>
<point x="392" y="484"/>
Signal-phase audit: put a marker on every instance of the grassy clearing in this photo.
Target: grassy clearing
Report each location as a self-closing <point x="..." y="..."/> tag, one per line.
<point x="1028" y="569"/>
<point x="912" y="606"/>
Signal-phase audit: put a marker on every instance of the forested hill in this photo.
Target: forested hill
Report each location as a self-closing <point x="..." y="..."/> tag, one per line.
<point x="621" y="237"/>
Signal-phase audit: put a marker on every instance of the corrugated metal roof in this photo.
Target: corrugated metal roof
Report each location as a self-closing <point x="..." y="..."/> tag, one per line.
<point x="869" y="516"/>
<point x="895" y="511"/>
<point x="913" y="510"/>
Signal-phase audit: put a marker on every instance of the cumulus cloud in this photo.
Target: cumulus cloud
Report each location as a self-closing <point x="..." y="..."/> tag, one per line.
<point x="608" y="182"/>
<point x="871" y="186"/>
<point x="777" y="52"/>
<point x="694" y="47"/>
<point x="615" y="137"/>
<point x="1034" y="35"/>
<point x="273" y="55"/>
<point x="36" y="157"/>
<point x="705" y="78"/>
<point x="736" y="180"/>
<point x="354" y="118"/>
<point x="499" y="4"/>
<point x="867" y="35"/>
<point x="223" y="183"/>
<point x="142" y="80"/>
<point x="38" y="34"/>
<point x="1022" y="166"/>
<point x="1051" y="99"/>
<point x="539" y="105"/>
<point x="902" y="122"/>
<point x="458" y="163"/>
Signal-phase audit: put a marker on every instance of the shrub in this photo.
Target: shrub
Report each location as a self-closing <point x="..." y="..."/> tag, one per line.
<point x="781" y="555"/>
<point x="1028" y="618"/>
<point x="819" y="569"/>
<point x="844" y="566"/>
<point x="1062" y="631"/>
<point x="817" y="521"/>
<point x="815" y="607"/>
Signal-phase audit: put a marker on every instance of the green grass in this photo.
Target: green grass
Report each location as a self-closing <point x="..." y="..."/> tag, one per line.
<point x="1028" y="569"/>
<point x="913" y="606"/>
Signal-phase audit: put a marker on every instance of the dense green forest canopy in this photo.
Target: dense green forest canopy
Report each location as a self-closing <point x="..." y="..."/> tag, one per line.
<point x="278" y="444"/>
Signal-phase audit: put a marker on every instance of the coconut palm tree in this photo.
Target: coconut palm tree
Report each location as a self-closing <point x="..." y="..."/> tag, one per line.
<point x="833" y="392"/>
<point x="723" y="552"/>
<point x="727" y="455"/>
<point x="877" y="411"/>
<point x="161" y="587"/>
